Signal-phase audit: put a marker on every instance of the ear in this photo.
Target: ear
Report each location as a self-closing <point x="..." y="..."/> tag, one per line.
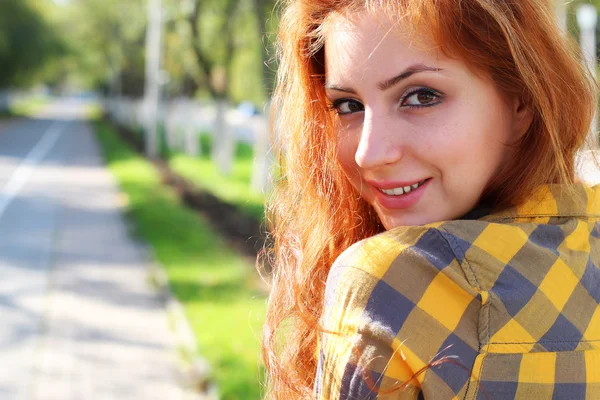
<point x="522" y="118"/>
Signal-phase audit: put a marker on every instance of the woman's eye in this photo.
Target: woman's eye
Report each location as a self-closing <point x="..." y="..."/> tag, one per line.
<point x="347" y="106"/>
<point x="421" y="98"/>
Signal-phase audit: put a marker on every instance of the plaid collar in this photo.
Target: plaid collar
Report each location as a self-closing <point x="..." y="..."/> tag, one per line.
<point x="553" y="200"/>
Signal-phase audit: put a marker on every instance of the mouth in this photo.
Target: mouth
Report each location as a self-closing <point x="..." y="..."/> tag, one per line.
<point x="400" y="195"/>
<point x="403" y="190"/>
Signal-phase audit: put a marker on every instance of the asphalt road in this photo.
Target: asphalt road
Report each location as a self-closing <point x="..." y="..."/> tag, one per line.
<point x="78" y="319"/>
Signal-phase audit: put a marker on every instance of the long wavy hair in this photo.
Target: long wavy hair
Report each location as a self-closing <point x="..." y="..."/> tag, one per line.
<point x="315" y="214"/>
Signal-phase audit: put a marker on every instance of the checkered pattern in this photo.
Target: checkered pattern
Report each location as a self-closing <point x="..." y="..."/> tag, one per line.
<point x="506" y="306"/>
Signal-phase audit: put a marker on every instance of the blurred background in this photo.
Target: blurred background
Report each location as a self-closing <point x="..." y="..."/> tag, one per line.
<point x="134" y="165"/>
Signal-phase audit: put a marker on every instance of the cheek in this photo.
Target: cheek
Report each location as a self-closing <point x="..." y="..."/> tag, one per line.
<point x="444" y="142"/>
<point x="465" y="143"/>
<point x="347" y="143"/>
<point x="474" y="151"/>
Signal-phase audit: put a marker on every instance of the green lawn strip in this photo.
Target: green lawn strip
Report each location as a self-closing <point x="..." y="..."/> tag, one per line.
<point x="28" y="106"/>
<point x="24" y="107"/>
<point x="216" y="286"/>
<point x="234" y="189"/>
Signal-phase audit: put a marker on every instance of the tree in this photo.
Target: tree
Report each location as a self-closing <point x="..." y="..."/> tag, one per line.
<point x="106" y="38"/>
<point x="27" y="43"/>
<point x="213" y="43"/>
<point x="267" y="22"/>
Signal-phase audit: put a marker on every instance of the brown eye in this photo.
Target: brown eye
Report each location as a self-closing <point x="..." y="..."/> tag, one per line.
<point x="425" y="97"/>
<point x="421" y="98"/>
<point x="347" y="106"/>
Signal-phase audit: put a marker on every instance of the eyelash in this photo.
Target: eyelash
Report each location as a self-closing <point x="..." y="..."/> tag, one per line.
<point x="434" y="93"/>
<point x="334" y="106"/>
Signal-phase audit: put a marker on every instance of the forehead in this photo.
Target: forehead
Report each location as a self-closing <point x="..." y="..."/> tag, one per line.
<point x="366" y="45"/>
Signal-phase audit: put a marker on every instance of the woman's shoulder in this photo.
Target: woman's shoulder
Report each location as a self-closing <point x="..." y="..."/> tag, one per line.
<point x="401" y="264"/>
<point x="375" y="254"/>
<point x="436" y="244"/>
<point x="471" y="254"/>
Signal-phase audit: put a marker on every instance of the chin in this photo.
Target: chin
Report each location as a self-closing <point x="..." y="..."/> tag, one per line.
<point x="394" y="221"/>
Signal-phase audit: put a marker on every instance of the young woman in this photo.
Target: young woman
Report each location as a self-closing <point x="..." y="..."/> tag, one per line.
<point x="432" y="239"/>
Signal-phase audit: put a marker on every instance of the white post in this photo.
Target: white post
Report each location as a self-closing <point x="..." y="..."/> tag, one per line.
<point x="152" y="90"/>
<point x="262" y="156"/>
<point x="587" y="19"/>
<point x="223" y="141"/>
<point x="190" y="129"/>
<point x="192" y="141"/>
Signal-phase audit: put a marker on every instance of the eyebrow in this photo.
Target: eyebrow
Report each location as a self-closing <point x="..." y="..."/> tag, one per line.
<point x="388" y="83"/>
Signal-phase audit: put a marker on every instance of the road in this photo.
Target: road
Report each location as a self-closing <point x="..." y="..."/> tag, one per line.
<point x="79" y="320"/>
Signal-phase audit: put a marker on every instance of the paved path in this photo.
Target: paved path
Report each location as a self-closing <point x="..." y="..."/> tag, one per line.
<point x="78" y="318"/>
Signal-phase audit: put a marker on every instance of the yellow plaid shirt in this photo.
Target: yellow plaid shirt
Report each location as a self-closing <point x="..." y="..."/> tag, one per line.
<point x="505" y="306"/>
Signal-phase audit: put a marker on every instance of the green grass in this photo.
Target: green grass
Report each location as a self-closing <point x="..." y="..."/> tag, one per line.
<point x="28" y="106"/>
<point x="234" y="189"/>
<point x="218" y="288"/>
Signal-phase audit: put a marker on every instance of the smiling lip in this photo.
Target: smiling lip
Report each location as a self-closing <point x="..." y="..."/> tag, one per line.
<point x="398" y="202"/>
<point x="392" y="185"/>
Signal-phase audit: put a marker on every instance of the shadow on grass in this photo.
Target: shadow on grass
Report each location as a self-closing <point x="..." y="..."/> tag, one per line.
<point x="233" y="189"/>
<point x="231" y="197"/>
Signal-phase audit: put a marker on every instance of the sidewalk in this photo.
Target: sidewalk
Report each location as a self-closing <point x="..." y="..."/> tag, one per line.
<point x="81" y="321"/>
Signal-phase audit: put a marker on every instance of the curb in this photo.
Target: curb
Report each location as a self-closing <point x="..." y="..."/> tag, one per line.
<point x="194" y="372"/>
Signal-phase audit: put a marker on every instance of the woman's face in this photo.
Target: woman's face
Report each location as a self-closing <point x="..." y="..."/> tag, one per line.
<point x="419" y="134"/>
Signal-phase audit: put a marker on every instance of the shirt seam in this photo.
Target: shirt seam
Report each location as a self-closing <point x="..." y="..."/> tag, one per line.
<point x="454" y="250"/>
<point x="478" y="380"/>
<point x="447" y="238"/>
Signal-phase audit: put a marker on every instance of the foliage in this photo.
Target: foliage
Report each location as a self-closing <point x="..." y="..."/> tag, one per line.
<point x="268" y="20"/>
<point x="217" y="47"/>
<point x="211" y="48"/>
<point x="218" y="288"/>
<point x="27" y="42"/>
<point x="107" y="38"/>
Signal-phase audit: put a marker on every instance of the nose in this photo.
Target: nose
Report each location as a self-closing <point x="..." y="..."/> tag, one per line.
<point x="380" y="141"/>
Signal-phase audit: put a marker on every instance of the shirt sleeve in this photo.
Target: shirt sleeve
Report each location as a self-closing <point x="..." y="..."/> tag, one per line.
<point x="395" y="303"/>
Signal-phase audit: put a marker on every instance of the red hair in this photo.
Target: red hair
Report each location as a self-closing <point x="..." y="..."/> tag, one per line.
<point x="315" y="214"/>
